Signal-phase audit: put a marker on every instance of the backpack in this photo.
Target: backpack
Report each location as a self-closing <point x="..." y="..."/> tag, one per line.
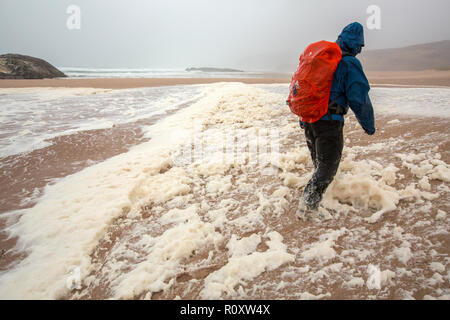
<point x="310" y="86"/>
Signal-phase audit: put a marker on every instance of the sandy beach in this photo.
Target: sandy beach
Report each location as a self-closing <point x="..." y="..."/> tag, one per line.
<point x="402" y="78"/>
<point x="131" y="211"/>
<point x="126" y="83"/>
<point x="148" y="151"/>
<point x="410" y="78"/>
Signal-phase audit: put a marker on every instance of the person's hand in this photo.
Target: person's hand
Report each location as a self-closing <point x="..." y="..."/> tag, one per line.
<point x="301" y="124"/>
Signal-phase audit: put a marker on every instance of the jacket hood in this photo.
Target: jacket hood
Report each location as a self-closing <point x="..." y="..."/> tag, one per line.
<point x="351" y="39"/>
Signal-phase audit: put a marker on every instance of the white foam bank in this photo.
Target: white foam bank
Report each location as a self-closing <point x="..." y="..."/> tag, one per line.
<point x="61" y="231"/>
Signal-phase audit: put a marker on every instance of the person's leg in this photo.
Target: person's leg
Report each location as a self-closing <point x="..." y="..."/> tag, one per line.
<point x="328" y="149"/>
<point x="310" y="141"/>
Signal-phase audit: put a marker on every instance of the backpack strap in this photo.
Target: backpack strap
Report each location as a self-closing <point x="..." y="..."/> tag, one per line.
<point x="332" y="103"/>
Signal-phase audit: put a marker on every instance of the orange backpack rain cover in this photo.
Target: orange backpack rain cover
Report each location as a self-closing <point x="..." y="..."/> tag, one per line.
<point x="310" y="87"/>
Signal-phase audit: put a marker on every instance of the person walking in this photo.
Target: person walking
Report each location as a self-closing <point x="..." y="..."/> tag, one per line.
<point x="349" y="88"/>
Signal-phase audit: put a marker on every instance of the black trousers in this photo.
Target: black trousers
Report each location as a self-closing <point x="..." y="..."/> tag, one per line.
<point x="325" y="142"/>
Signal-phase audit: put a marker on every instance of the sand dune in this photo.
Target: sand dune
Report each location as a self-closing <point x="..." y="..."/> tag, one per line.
<point x="435" y="55"/>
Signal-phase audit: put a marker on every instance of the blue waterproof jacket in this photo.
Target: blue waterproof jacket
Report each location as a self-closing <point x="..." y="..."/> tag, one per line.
<point x="350" y="86"/>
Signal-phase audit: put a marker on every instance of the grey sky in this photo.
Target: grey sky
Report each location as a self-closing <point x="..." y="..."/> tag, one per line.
<point x="248" y="34"/>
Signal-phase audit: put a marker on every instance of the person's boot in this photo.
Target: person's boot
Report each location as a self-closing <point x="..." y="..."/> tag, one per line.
<point x="306" y="213"/>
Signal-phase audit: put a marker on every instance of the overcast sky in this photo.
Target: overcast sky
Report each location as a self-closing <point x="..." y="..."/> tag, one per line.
<point x="175" y="34"/>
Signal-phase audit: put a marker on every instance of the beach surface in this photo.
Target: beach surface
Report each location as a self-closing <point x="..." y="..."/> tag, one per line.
<point x="397" y="78"/>
<point x="190" y="191"/>
<point x="126" y="83"/>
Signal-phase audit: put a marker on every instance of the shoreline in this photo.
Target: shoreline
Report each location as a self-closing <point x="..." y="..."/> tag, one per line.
<point x="410" y="79"/>
<point x="128" y="83"/>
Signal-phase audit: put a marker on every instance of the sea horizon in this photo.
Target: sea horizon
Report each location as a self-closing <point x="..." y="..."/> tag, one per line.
<point x="93" y="72"/>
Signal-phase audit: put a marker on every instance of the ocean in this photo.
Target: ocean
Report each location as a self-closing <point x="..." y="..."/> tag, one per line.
<point x="73" y="72"/>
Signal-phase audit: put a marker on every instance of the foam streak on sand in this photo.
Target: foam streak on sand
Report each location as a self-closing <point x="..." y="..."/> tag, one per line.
<point x="155" y="222"/>
<point x="63" y="228"/>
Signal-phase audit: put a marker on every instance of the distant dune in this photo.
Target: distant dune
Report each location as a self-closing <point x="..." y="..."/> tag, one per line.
<point x="435" y="55"/>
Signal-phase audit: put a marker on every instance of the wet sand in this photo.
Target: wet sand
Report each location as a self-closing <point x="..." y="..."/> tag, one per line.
<point x="69" y="154"/>
<point x="410" y="78"/>
<point x="127" y="83"/>
<point x="25" y="176"/>
<point x="57" y="161"/>
<point x="403" y="78"/>
<point x="418" y="137"/>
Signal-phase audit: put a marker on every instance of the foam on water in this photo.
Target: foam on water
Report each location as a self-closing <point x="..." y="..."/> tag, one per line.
<point x="29" y="118"/>
<point x="64" y="227"/>
<point x="61" y="231"/>
<point x="72" y="72"/>
<point x="426" y="102"/>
